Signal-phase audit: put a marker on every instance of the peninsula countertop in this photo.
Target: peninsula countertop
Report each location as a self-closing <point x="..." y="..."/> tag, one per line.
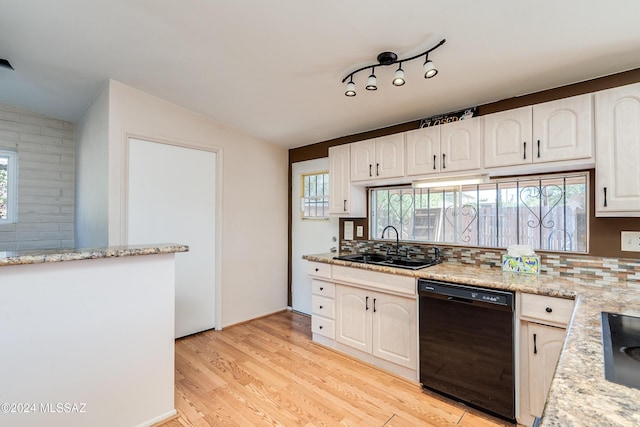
<point x="579" y="395"/>
<point x="73" y="254"/>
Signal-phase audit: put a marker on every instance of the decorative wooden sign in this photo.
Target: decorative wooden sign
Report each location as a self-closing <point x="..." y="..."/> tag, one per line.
<point x="449" y="117"/>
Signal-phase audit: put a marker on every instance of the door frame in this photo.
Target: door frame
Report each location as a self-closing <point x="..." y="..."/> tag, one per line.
<point x="218" y="221"/>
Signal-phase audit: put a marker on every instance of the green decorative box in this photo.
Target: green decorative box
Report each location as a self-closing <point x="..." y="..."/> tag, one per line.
<point x="525" y="264"/>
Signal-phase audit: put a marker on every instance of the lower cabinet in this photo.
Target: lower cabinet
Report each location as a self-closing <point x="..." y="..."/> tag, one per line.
<point x="543" y="322"/>
<point x="379" y="324"/>
<point x="545" y="344"/>
<point x="322" y="308"/>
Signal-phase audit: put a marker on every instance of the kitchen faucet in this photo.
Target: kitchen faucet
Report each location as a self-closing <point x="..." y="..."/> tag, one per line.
<point x="397" y="238"/>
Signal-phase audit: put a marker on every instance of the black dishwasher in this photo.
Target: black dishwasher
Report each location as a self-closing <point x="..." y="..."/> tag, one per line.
<point x="467" y="345"/>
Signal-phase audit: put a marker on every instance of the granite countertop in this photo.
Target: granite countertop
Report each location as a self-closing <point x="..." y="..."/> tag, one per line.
<point x="73" y="254"/>
<point x="579" y="395"/>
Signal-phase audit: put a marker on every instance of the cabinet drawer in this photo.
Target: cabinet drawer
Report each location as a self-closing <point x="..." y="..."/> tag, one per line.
<point x="319" y="269"/>
<point x="323" y="306"/>
<point x="319" y="287"/>
<point x="546" y="309"/>
<point x="322" y="326"/>
<point x="375" y="280"/>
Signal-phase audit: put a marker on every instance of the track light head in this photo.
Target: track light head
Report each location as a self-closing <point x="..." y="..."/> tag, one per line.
<point x="429" y="69"/>
<point x="351" y="89"/>
<point x="398" y="78"/>
<point x="371" y="81"/>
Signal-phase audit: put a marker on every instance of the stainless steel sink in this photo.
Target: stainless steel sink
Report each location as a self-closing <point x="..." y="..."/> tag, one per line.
<point x="390" y="261"/>
<point x="621" y="347"/>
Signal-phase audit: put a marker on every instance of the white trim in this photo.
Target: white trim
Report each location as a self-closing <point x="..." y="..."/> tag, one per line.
<point x="12" y="186"/>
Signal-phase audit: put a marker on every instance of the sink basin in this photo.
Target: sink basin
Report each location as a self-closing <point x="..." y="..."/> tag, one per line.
<point x="621" y="348"/>
<point x="377" y="259"/>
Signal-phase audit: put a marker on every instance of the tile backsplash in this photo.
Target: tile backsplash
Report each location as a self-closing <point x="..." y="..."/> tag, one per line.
<point x="600" y="272"/>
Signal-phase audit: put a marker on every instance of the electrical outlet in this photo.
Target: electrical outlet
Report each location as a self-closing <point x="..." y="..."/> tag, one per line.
<point x="630" y="241"/>
<point x="359" y="231"/>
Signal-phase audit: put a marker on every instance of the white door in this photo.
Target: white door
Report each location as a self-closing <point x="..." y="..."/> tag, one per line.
<point x="171" y="199"/>
<point x="308" y="236"/>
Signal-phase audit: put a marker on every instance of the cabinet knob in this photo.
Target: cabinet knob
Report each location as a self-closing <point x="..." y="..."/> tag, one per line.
<point x="548" y="309"/>
<point x="321" y="288"/>
<point x="320" y="327"/>
<point x="317" y="269"/>
<point x="320" y="307"/>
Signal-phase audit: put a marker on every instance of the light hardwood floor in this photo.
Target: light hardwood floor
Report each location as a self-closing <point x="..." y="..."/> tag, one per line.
<point x="269" y="372"/>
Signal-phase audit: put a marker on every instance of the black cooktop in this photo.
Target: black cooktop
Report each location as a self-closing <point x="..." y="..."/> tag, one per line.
<point x="621" y="344"/>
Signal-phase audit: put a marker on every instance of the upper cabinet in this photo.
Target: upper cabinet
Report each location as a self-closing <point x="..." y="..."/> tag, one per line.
<point x="344" y="199"/>
<point x="618" y="151"/>
<point x="563" y="129"/>
<point x="446" y="148"/>
<point x="553" y="131"/>
<point x="461" y="145"/>
<point x="378" y="158"/>
<point x="507" y="138"/>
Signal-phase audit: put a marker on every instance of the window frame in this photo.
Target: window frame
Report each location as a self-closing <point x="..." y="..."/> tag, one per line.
<point x="326" y="215"/>
<point x="12" y="186"/>
<point x="496" y="181"/>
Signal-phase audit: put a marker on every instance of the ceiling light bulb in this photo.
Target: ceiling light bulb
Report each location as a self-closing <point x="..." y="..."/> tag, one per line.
<point x="371" y="82"/>
<point x="351" y="89"/>
<point x="429" y="69"/>
<point x="398" y="79"/>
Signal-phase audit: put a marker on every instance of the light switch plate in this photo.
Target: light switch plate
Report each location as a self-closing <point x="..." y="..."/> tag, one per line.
<point x="630" y="241"/>
<point x="348" y="230"/>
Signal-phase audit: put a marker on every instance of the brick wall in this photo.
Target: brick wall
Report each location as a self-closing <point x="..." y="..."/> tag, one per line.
<point x="46" y="174"/>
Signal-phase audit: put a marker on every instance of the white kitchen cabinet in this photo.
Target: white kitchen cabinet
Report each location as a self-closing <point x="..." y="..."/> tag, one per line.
<point x="369" y="315"/>
<point x="545" y="344"/>
<point x="378" y="158"/>
<point x="353" y="315"/>
<point x="395" y="321"/>
<point x="560" y="130"/>
<point x="618" y="151"/>
<point x="379" y="324"/>
<point x="344" y="199"/>
<point x="461" y="145"/>
<point x="507" y="138"/>
<point x="563" y="129"/>
<point x="423" y="151"/>
<point x="322" y="308"/>
<point x="450" y="147"/>
<point x="543" y="322"/>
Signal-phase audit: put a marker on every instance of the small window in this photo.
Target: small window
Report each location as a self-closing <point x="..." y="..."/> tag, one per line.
<point x="315" y="196"/>
<point x="8" y="186"/>
<point x="546" y="212"/>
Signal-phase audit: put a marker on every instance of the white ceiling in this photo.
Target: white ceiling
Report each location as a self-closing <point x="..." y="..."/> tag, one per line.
<point x="273" y="68"/>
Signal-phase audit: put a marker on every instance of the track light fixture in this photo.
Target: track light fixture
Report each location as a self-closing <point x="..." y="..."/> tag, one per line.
<point x="390" y="58"/>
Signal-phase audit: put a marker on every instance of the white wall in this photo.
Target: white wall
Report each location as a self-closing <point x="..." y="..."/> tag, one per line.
<point x="252" y="213"/>
<point x="92" y="155"/>
<point x="45" y="148"/>
<point x="97" y="333"/>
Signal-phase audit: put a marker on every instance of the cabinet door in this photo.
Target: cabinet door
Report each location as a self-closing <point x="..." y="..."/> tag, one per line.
<point x="353" y="308"/>
<point x="545" y="345"/>
<point x="395" y="337"/>
<point x="423" y="151"/>
<point x="563" y="129"/>
<point x="389" y="156"/>
<point x="618" y="151"/>
<point x="363" y="155"/>
<point x="460" y="145"/>
<point x="507" y="138"/>
<point x="339" y="185"/>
